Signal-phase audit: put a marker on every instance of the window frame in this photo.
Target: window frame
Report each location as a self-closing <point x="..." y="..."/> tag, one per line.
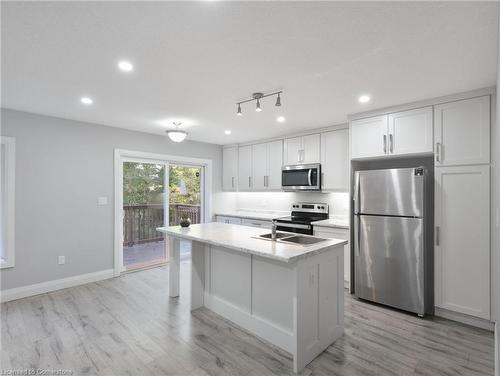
<point x="9" y="163"/>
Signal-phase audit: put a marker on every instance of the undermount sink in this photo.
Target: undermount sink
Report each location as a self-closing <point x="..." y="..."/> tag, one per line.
<point x="306" y="240"/>
<point x="279" y="235"/>
<point x="291" y="238"/>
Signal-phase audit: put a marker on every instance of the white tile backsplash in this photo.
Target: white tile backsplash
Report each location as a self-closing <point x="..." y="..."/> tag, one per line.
<point x="279" y="201"/>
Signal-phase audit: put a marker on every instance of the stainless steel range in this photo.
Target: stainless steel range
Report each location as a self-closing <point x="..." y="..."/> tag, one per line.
<point x="303" y="214"/>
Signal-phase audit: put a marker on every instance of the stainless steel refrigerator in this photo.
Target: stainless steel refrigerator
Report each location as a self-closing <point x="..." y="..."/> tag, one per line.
<point x="389" y="238"/>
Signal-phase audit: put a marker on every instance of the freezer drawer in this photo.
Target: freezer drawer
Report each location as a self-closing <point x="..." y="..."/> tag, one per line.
<point x="389" y="261"/>
<point x="398" y="192"/>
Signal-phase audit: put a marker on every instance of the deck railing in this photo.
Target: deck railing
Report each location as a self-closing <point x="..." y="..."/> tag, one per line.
<point x="140" y="221"/>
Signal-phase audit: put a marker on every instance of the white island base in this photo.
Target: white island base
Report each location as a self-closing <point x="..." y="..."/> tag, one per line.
<point x="294" y="302"/>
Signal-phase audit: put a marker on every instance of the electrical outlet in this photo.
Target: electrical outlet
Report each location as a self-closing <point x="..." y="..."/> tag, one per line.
<point x="61" y="260"/>
<point x="102" y="201"/>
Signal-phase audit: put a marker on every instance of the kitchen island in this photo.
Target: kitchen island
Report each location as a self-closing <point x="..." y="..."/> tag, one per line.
<point x="288" y="294"/>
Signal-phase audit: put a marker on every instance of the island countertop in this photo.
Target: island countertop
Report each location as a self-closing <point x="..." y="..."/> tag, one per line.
<point x="242" y="238"/>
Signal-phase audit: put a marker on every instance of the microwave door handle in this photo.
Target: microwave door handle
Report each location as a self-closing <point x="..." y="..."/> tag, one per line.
<point x="309" y="177"/>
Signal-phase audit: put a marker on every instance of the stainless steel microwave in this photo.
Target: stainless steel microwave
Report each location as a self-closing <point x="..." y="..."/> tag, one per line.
<point x="303" y="177"/>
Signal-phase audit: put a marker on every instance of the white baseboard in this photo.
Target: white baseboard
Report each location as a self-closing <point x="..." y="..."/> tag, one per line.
<point x="58" y="284"/>
<point x="464" y="319"/>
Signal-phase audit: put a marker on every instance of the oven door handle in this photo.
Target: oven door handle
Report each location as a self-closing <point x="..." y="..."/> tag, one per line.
<point x="309" y="177"/>
<point x="293" y="225"/>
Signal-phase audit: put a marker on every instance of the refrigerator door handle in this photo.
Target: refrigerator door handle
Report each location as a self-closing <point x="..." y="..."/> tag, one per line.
<point x="356" y="235"/>
<point x="356" y="193"/>
<point x="437" y="236"/>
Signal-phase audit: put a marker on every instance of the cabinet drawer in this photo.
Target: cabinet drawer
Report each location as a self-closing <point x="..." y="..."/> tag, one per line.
<point x="256" y="223"/>
<point x="331" y="233"/>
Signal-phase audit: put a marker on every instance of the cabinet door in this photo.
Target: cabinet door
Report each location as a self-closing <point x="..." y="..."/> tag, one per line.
<point x="462" y="132"/>
<point x="411" y="132"/>
<point x="245" y="168"/>
<point x="462" y="244"/>
<point x="369" y="137"/>
<point x="293" y="150"/>
<point x="322" y="232"/>
<point x="335" y="160"/>
<point x="259" y="166"/>
<point x="229" y="168"/>
<point x="311" y="146"/>
<point x="275" y="162"/>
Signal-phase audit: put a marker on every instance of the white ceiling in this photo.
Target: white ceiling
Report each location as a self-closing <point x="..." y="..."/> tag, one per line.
<point x="194" y="60"/>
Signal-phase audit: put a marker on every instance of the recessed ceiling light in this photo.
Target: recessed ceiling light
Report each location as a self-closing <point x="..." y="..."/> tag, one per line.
<point x="364" y="99"/>
<point x="125" y="66"/>
<point x="280" y="119"/>
<point x="86" y="100"/>
<point x="227" y="131"/>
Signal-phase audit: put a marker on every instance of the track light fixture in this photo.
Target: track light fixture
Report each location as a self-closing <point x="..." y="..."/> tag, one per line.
<point x="257" y="97"/>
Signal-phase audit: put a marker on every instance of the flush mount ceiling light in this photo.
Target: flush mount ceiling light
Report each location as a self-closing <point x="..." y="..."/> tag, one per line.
<point x="364" y="99"/>
<point x="227" y="132"/>
<point x="257" y="97"/>
<point x="86" y="100"/>
<point x="125" y="66"/>
<point x="280" y="119"/>
<point x="177" y="135"/>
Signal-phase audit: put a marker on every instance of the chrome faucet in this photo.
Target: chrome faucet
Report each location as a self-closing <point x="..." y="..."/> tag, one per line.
<point x="273" y="230"/>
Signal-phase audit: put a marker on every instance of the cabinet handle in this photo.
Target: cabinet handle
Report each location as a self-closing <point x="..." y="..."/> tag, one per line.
<point x="249" y="182"/>
<point x="385" y="144"/>
<point x="438" y="152"/>
<point x="298" y="155"/>
<point x="391" y="143"/>
<point x="303" y="155"/>
<point x="437" y="235"/>
<point x="232" y="182"/>
<point x="265" y="181"/>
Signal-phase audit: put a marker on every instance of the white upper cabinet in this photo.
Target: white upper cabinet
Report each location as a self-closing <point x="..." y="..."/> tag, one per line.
<point x="245" y="168"/>
<point x="369" y="137"/>
<point x="275" y="162"/>
<point x="259" y="166"/>
<point x="462" y="239"/>
<point x="229" y="168"/>
<point x="410" y="132"/>
<point x="293" y="150"/>
<point x="305" y="149"/>
<point x="335" y="160"/>
<point x="462" y="132"/>
<point x="311" y="146"/>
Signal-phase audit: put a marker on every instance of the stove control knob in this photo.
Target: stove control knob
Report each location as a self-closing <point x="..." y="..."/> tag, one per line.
<point x="322" y="207"/>
<point x="319" y="207"/>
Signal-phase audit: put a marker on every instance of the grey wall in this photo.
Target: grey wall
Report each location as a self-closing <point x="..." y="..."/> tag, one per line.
<point x="62" y="166"/>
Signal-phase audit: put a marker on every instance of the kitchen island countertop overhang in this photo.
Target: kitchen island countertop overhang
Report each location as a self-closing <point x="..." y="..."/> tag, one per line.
<point x="288" y="294"/>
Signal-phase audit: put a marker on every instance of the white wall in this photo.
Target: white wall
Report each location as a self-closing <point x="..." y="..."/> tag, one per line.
<point x="62" y="166"/>
<point x="281" y="201"/>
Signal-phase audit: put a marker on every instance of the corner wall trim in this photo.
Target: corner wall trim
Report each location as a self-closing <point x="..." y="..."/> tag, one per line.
<point x="57" y="284"/>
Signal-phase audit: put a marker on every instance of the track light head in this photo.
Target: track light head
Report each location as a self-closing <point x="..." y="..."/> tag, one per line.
<point x="257" y="108"/>
<point x="278" y="101"/>
<point x="239" y="110"/>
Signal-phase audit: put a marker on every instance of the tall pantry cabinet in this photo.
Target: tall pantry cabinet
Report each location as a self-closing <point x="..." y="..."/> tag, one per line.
<point x="462" y="206"/>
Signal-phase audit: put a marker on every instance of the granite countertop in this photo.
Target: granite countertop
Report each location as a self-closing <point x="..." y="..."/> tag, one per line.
<point x="241" y="238"/>
<point x="334" y="222"/>
<point x="254" y="214"/>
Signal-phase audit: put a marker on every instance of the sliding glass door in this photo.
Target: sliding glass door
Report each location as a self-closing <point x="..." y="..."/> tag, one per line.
<point x="185" y="198"/>
<point x="143" y="211"/>
<point x="145" y="202"/>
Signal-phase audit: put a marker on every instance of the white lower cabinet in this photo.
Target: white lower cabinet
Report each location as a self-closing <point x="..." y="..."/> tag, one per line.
<point x="462" y="239"/>
<point x="230" y="220"/>
<point x="338" y="233"/>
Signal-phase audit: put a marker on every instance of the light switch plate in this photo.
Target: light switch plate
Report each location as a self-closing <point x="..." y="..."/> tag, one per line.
<point x="102" y="201"/>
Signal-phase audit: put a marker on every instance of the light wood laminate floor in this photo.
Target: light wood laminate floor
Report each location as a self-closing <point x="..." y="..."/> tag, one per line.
<point x="129" y="326"/>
